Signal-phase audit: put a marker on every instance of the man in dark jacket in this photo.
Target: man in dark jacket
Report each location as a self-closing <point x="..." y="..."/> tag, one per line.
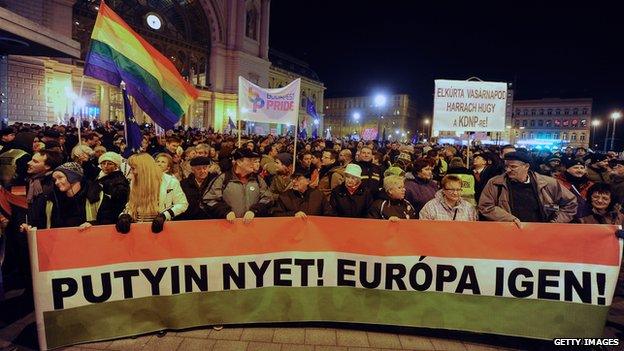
<point x="301" y="200"/>
<point x="195" y="185"/>
<point x="352" y="198"/>
<point x="111" y="189"/>
<point x="40" y="186"/>
<point x="372" y="174"/>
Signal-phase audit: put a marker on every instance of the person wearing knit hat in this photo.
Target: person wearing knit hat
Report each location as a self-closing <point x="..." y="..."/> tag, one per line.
<point x="598" y="168"/>
<point x="111" y="157"/>
<point x="72" y="171"/>
<point x="575" y="179"/>
<point x="109" y="192"/>
<point x="68" y="206"/>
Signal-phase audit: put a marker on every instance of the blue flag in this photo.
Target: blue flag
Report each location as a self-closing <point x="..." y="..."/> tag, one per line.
<point x="231" y="123"/>
<point x="133" y="132"/>
<point x="310" y="108"/>
<point x="303" y="134"/>
<point x="315" y="133"/>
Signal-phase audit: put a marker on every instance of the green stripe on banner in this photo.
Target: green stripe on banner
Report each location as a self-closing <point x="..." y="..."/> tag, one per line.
<point x="133" y="68"/>
<point x="497" y="315"/>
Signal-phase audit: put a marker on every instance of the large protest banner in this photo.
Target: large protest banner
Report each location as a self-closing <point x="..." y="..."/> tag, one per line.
<point x="269" y="105"/>
<point x="462" y="106"/>
<point x="541" y="281"/>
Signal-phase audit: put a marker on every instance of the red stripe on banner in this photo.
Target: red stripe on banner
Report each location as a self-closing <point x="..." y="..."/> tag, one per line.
<point x="68" y="248"/>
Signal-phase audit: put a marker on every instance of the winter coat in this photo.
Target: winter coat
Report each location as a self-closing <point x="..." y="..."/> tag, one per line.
<point x="584" y="207"/>
<point x="329" y="178"/>
<point x="372" y="176"/>
<point x="171" y="200"/>
<point x="613" y="217"/>
<point x="438" y="209"/>
<point x="109" y="194"/>
<point x="598" y="175"/>
<point x="617" y="182"/>
<point x="194" y="194"/>
<point x="312" y="202"/>
<point x="356" y="205"/>
<point x="418" y="191"/>
<point x="384" y="209"/>
<point x="228" y="193"/>
<point x="557" y="203"/>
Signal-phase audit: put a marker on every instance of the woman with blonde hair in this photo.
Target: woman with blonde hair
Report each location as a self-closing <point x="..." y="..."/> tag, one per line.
<point x="154" y="196"/>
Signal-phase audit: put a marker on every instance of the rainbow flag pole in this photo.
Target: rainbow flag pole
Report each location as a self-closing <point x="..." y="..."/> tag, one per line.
<point x="118" y="53"/>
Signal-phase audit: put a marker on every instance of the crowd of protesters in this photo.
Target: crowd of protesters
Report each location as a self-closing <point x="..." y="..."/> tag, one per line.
<point x="192" y="174"/>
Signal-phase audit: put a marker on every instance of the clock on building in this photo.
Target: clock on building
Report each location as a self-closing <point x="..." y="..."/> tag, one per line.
<point x="153" y="21"/>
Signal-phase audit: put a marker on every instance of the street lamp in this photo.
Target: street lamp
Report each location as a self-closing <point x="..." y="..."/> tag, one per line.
<point x="615" y="116"/>
<point x="426" y="122"/>
<point x="595" y="123"/>
<point x="380" y="101"/>
<point x="356" y="116"/>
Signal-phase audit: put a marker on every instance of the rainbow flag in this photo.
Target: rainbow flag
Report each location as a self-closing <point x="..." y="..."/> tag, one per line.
<point x="118" y="53"/>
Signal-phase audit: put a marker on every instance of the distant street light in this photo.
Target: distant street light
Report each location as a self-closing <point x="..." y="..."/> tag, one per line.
<point x="426" y="123"/>
<point x="356" y="116"/>
<point x="615" y="116"/>
<point x="380" y="101"/>
<point x="595" y="123"/>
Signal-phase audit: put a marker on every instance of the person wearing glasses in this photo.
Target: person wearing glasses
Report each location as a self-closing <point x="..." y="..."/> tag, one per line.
<point x="448" y="205"/>
<point x="521" y="195"/>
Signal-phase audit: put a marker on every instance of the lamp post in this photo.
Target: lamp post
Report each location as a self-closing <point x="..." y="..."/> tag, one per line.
<point x="356" y="117"/>
<point x="615" y="116"/>
<point x="379" y="101"/>
<point x="426" y="123"/>
<point x="595" y="123"/>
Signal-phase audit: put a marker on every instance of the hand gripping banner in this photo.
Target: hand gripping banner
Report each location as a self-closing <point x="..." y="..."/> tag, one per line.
<point x="542" y="281"/>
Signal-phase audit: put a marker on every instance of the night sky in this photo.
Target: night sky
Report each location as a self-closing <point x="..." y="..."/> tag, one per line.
<point x="362" y="47"/>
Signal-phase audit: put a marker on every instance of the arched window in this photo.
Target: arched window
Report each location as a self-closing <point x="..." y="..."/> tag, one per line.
<point x="251" y="28"/>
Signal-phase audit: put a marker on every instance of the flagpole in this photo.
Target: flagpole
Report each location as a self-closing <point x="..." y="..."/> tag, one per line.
<point x="295" y="147"/>
<point x="238" y="121"/>
<point x="123" y="88"/>
<point x="80" y="114"/>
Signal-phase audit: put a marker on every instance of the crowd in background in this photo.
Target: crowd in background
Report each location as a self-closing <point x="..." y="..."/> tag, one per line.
<point x="192" y="174"/>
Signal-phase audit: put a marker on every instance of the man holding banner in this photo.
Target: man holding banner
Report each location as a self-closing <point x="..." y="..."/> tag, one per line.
<point x="521" y="195"/>
<point x="239" y="193"/>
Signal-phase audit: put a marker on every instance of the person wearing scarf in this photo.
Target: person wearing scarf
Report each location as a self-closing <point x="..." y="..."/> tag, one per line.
<point x="575" y="179"/>
<point x="352" y="198"/>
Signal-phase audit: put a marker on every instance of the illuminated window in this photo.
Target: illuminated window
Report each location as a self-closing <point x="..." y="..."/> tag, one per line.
<point x="573" y="137"/>
<point x="582" y="137"/>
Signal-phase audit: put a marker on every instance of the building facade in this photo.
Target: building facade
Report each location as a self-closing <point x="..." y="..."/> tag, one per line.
<point x="552" y="122"/>
<point x="284" y="69"/>
<point x="211" y="42"/>
<point x="361" y="116"/>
